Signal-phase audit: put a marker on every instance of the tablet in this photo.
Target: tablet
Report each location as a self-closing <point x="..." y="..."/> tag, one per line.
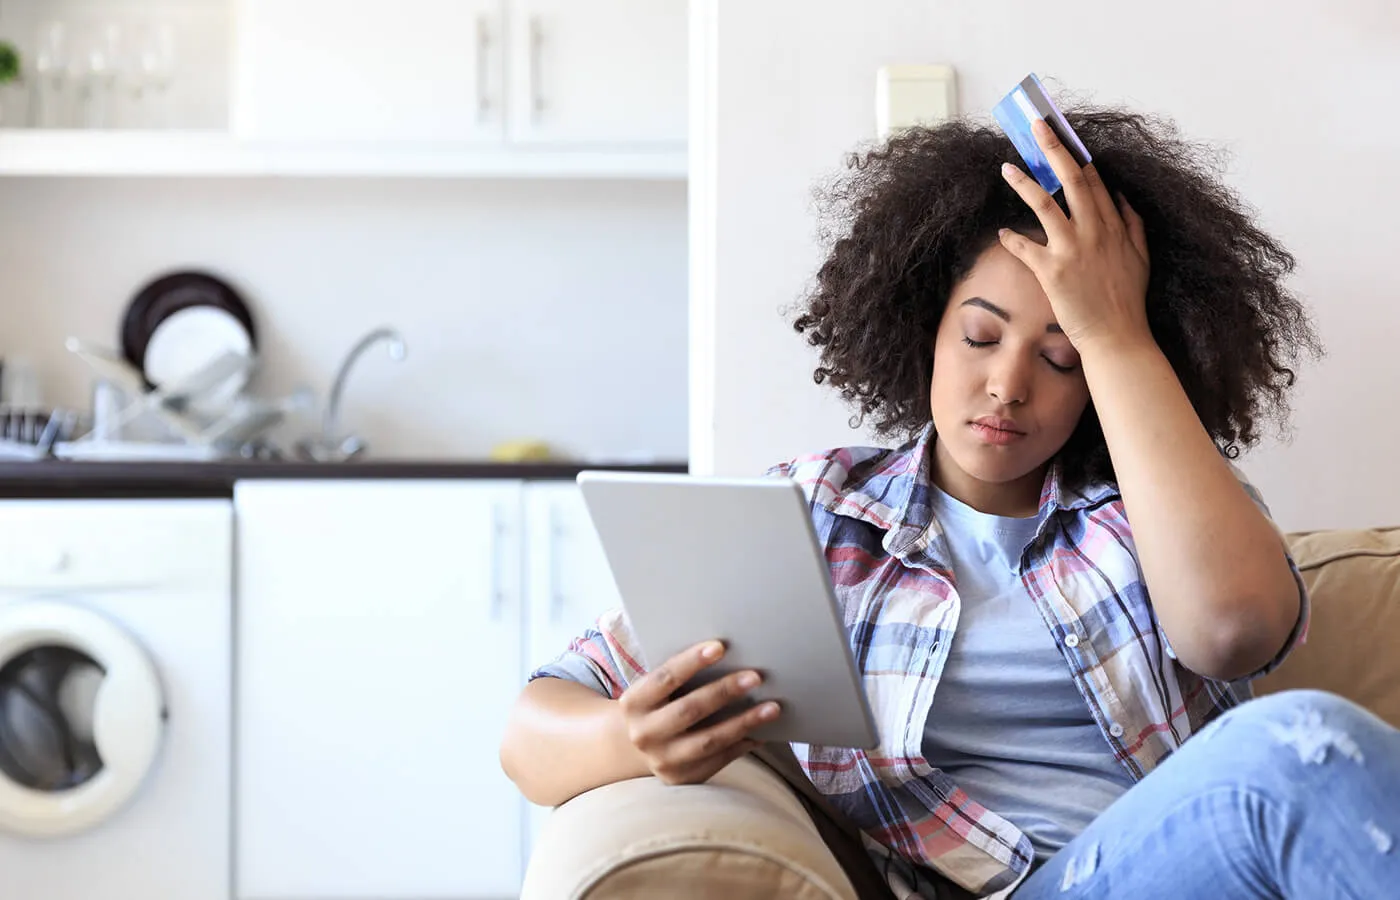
<point x="699" y="557"/>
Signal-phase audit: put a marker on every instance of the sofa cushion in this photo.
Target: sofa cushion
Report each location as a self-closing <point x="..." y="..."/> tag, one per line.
<point x="699" y="874"/>
<point x="743" y="835"/>
<point x="1353" y="577"/>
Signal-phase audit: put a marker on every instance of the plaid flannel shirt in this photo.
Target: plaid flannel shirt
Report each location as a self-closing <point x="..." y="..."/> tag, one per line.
<point x="890" y="568"/>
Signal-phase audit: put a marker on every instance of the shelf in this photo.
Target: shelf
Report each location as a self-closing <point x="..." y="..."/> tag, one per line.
<point x="31" y="153"/>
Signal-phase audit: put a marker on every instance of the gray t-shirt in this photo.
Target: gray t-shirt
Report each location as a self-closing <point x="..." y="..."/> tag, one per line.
<point x="1007" y="722"/>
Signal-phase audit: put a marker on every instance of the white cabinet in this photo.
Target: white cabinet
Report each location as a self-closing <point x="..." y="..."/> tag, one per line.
<point x="597" y="71"/>
<point x="414" y="71"/>
<point x="354" y="88"/>
<point x="385" y="629"/>
<point x="568" y="583"/>
<point x="439" y="72"/>
<point x="378" y="654"/>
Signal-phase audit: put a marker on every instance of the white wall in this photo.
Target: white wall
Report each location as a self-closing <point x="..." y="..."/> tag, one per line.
<point x="1300" y="99"/>
<point x="548" y="309"/>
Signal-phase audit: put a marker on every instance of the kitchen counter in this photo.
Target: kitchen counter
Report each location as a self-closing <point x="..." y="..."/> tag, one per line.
<point x="63" y="478"/>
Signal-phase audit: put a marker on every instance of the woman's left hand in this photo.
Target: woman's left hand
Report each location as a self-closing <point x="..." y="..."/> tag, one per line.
<point x="1094" y="267"/>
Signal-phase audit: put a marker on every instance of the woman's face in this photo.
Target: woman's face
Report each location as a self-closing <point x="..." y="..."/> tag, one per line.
<point x="1007" y="387"/>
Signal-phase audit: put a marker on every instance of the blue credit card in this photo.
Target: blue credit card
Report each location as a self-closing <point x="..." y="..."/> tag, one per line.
<point x="1026" y="102"/>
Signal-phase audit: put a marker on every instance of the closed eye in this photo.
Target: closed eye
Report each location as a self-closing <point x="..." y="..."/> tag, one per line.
<point x="1063" y="370"/>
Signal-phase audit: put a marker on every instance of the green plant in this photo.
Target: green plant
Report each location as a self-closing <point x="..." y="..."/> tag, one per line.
<point x="9" y="63"/>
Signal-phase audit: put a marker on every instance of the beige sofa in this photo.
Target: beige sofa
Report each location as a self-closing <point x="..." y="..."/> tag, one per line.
<point x="746" y="834"/>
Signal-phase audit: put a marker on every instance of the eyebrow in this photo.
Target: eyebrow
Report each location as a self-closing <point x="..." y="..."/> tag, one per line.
<point x="1002" y="314"/>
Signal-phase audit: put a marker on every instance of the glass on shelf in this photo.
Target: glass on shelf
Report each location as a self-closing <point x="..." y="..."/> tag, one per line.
<point x="154" y="71"/>
<point x="49" y="95"/>
<point x="102" y="75"/>
<point x="97" y="73"/>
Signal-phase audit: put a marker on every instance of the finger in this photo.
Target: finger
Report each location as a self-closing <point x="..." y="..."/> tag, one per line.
<point x="1022" y="247"/>
<point x="1046" y="210"/>
<point x="656" y="687"/>
<point x="1082" y="207"/>
<point x="1108" y="212"/>
<point x="701" y="703"/>
<point x="694" y="749"/>
<point x="704" y="770"/>
<point x="1137" y="232"/>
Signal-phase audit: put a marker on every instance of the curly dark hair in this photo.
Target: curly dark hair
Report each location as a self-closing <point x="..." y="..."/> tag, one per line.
<point x="912" y="215"/>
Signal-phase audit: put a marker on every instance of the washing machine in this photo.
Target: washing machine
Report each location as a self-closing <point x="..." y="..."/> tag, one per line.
<point x="115" y="699"/>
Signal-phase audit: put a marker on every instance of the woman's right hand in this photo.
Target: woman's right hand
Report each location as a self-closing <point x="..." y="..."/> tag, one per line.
<point x="659" y="727"/>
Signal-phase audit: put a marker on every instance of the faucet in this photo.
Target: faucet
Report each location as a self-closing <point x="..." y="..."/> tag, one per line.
<point x="329" y="446"/>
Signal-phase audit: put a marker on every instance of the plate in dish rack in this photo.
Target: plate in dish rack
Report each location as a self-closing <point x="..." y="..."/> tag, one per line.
<point x="180" y="323"/>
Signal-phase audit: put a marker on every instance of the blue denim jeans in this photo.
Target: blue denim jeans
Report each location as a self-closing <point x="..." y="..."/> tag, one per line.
<point x="1293" y="795"/>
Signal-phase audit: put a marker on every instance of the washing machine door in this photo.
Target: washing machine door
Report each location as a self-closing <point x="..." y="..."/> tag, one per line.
<point x="81" y="718"/>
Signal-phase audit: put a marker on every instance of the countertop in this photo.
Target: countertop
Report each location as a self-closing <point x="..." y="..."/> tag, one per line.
<point x="62" y="478"/>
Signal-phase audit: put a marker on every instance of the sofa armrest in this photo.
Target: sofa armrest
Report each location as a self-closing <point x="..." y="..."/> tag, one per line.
<point x="743" y="834"/>
<point x="1354" y="579"/>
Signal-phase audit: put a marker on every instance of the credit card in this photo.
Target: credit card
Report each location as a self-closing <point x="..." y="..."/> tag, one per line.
<point x="1026" y="102"/>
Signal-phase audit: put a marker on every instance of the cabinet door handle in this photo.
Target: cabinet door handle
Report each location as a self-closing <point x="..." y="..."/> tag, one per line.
<point x="556" y="592"/>
<point x="536" y="68"/>
<point x="498" y="588"/>
<point x="483" y="70"/>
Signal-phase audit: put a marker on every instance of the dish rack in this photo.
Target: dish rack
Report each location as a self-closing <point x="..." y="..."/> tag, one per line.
<point x="181" y="413"/>
<point x="31" y="434"/>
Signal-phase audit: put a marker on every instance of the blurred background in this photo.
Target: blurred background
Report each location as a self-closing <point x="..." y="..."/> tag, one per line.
<point x="312" y="310"/>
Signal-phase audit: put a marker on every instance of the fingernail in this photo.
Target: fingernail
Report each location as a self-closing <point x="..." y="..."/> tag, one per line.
<point x="1008" y="170"/>
<point x="1003" y="232"/>
<point x="1040" y="127"/>
<point x="748" y="680"/>
<point x="768" y="711"/>
<point x="712" y="650"/>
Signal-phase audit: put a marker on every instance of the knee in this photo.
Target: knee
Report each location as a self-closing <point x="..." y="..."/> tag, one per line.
<point x="1314" y="725"/>
<point x="1300" y="708"/>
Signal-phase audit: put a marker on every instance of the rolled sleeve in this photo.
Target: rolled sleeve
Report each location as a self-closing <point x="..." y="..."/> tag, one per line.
<point x="576" y="667"/>
<point x="604" y="658"/>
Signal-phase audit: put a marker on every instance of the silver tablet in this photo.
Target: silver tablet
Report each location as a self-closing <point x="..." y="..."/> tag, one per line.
<point x="737" y="559"/>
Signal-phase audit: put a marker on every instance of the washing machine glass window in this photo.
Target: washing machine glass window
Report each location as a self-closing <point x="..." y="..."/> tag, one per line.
<point x="82" y="715"/>
<point x="47" y="700"/>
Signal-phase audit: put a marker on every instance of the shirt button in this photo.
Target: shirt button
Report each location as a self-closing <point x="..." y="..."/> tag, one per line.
<point x="1072" y="641"/>
<point x="1116" y="730"/>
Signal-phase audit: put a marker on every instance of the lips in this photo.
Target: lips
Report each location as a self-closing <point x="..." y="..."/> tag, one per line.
<point x="996" y="431"/>
<point x="999" y="424"/>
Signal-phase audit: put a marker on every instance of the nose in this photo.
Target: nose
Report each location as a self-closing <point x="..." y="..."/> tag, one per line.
<point x="1009" y="379"/>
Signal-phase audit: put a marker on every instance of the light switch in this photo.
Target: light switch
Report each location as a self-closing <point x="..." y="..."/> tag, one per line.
<point x="913" y="95"/>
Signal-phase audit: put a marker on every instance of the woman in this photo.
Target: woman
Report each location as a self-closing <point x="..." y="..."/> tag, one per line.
<point x="1059" y="579"/>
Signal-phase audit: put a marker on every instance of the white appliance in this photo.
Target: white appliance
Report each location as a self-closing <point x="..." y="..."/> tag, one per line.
<point x="115" y="699"/>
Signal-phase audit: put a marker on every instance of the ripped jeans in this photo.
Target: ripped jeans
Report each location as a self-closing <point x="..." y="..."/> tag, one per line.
<point x="1293" y="795"/>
